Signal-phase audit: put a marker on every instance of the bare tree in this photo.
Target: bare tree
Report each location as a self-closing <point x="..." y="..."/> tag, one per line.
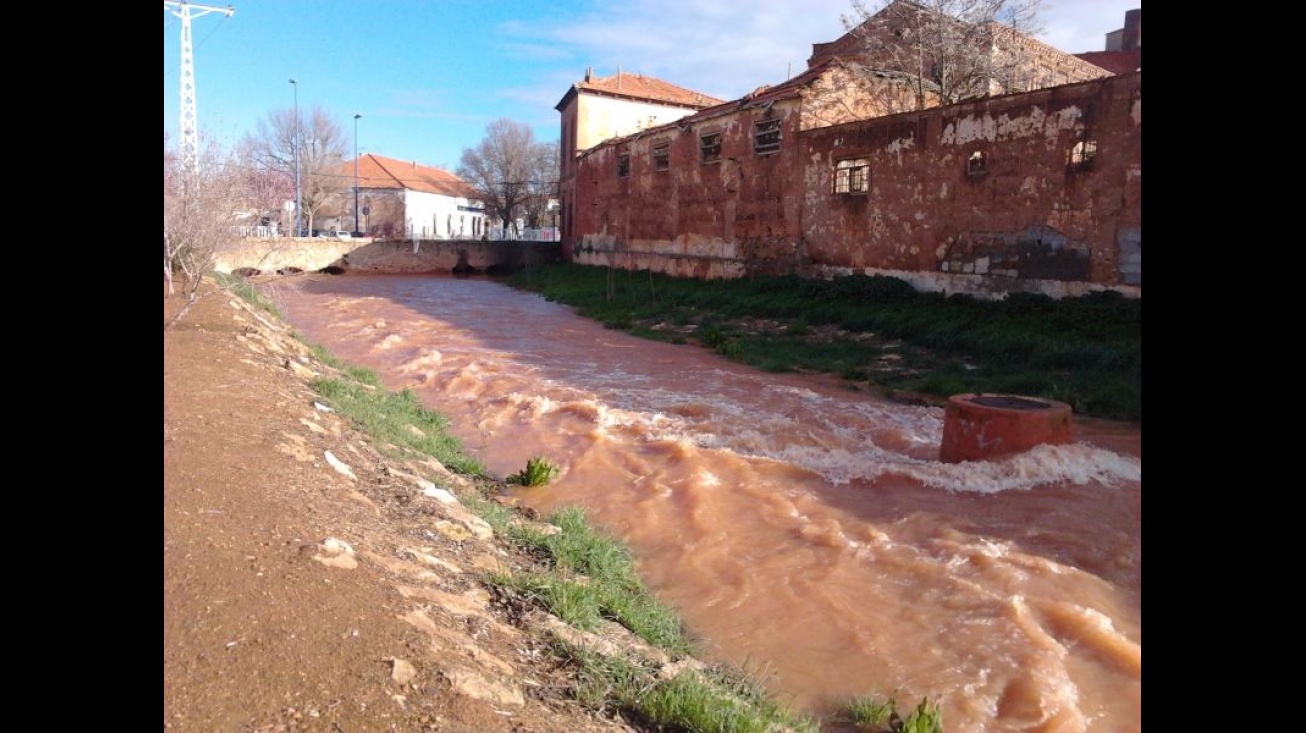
<point x="946" y="51"/>
<point x="322" y="144"/>
<point x="266" y="190"/>
<point x="542" y="186"/>
<point x="510" y="170"/>
<point x="200" y="208"/>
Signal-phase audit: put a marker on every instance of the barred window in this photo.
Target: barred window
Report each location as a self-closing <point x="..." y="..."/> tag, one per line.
<point x="1082" y="154"/>
<point x="623" y="165"/>
<point x="977" y="164"/>
<point x="661" y="156"/>
<point x="709" y="147"/>
<point x="852" y="176"/>
<point x="766" y="137"/>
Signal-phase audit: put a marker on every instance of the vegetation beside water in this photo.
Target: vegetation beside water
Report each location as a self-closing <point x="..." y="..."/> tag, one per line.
<point x="878" y="332"/>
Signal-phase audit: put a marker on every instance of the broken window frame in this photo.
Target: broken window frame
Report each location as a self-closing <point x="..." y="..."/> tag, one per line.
<point x="852" y="176"/>
<point x="709" y="147"/>
<point x="766" y="137"/>
<point x="1082" y="154"/>
<point x="662" y="156"/>
<point x="977" y="164"/>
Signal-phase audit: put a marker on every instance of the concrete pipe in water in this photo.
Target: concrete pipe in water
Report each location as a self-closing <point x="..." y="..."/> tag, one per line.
<point x="980" y="426"/>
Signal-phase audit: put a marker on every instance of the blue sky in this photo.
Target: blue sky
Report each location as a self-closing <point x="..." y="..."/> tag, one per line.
<point x="428" y="76"/>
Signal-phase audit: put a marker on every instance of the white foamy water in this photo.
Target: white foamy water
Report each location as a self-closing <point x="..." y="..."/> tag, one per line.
<point x="796" y="525"/>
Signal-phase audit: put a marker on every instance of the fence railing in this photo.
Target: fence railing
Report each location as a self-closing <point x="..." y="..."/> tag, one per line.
<point x="260" y="232"/>
<point x="546" y="234"/>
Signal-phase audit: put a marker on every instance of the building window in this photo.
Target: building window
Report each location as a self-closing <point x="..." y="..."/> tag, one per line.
<point x="766" y="137"/>
<point x="852" y="176"/>
<point x="709" y="147"/>
<point x="662" y="156"/>
<point x="623" y="165"/>
<point x="1082" y="155"/>
<point x="977" y="164"/>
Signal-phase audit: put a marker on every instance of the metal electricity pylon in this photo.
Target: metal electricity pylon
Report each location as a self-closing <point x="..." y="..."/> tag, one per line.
<point x="190" y="144"/>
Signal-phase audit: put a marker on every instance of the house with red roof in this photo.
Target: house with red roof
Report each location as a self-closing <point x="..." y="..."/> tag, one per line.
<point x="402" y="198"/>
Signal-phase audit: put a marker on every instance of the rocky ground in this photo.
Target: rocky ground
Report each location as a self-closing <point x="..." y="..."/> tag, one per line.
<point x="312" y="584"/>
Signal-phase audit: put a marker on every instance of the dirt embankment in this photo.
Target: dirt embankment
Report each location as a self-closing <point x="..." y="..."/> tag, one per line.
<point x="312" y="584"/>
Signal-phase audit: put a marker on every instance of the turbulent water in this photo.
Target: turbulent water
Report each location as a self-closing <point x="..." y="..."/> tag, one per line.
<point x="805" y="531"/>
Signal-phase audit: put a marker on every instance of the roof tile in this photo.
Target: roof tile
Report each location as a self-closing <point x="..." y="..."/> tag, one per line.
<point x="639" y="86"/>
<point x="375" y="171"/>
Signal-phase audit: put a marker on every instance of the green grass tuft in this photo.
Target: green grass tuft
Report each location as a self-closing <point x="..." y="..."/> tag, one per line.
<point x="538" y="472"/>
<point x="398" y="421"/>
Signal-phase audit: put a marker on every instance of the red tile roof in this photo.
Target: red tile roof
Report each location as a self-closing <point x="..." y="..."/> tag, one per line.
<point x="375" y="171"/>
<point x="640" y="87"/>
<point x="1116" y="62"/>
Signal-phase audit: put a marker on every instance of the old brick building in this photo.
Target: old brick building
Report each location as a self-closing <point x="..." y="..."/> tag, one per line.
<point x="823" y="174"/>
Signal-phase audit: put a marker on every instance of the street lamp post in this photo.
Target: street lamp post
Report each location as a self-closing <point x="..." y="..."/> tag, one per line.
<point x="298" y="195"/>
<point x="356" y="172"/>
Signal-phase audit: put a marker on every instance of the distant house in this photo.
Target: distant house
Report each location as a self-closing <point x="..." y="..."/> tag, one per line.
<point x="400" y="198"/>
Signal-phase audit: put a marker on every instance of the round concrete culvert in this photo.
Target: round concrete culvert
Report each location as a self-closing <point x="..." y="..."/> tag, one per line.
<point x="980" y="426"/>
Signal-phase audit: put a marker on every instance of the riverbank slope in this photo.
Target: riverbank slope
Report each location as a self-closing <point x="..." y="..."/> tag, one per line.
<point x="312" y="584"/>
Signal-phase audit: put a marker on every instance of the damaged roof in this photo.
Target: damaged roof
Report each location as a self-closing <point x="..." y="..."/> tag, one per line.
<point x="638" y="87"/>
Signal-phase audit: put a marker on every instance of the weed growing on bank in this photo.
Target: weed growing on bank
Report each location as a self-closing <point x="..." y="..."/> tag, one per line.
<point x="873" y="713"/>
<point x="244" y="289"/>
<point x="879" y="331"/>
<point x="538" y="472"/>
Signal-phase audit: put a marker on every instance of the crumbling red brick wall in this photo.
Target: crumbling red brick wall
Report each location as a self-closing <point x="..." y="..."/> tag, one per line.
<point x="734" y="214"/>
<point x="1039" y="186"/>
<point x="1037" y="191"/>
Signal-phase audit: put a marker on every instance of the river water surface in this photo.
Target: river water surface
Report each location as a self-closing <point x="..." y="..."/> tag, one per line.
<point x="802" y="529"/>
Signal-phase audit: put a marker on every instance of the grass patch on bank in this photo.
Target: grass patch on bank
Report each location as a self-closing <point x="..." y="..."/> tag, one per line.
<point x="590" y="578"/>
<point x="397" y="421"/>
<point x="706" y="701"/>
<point x="243" y="288"/>
<point x="1085" y="351"/>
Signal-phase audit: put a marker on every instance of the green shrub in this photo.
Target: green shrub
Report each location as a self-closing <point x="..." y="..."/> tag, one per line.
<point x="538" y="472"/>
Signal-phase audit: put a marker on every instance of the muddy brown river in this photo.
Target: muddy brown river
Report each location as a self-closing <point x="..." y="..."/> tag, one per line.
<point x="803" y="530"/>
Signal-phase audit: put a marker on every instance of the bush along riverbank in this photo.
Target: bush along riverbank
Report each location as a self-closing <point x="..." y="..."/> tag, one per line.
<point x="878" y="332"/>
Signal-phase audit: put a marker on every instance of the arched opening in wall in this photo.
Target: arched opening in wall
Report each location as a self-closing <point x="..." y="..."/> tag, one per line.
<point x="332" y="270"/>
<point x="290" y="271"/>
<point x="247" y="272"/>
